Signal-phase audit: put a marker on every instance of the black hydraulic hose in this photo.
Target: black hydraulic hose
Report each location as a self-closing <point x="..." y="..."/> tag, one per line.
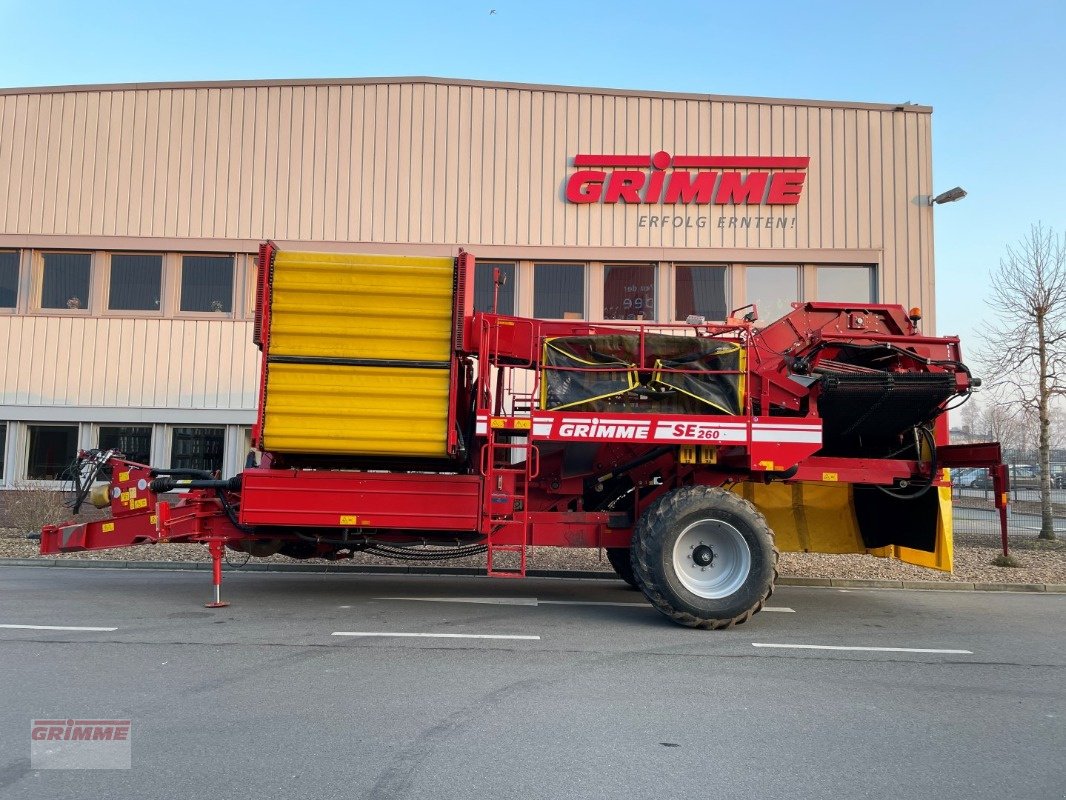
<point x="183" y="473"/>
<point x="621" y="470"/>
<point x="231" y="512"/>
<point x="169" y="483"/>
<point x="931" y="441"/>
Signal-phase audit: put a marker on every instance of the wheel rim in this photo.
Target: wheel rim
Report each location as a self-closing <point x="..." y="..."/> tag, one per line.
<point x="712" y="559"/>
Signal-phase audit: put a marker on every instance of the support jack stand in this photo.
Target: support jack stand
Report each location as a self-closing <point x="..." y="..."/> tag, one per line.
<point x="217" y="549"/>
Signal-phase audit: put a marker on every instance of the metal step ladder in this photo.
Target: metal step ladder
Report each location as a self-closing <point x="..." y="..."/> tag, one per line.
<point x="507" y="496"/>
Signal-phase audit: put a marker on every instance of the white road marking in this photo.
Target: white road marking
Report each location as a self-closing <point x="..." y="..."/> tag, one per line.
<point x="55" y="628"/>
<point x="492" y="601"/>
<point x="591" y="603"/>
<point x="781" y="609"/>
<point x="437" y="635"/>
<point x="873" y="649"/>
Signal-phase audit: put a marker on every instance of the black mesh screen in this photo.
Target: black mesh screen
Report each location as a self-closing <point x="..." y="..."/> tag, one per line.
<point x="670" y="374"/>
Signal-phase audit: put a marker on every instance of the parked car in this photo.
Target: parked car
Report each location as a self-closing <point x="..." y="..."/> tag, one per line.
<point x="965" y="477"/>
<point x="1022" y="476"/>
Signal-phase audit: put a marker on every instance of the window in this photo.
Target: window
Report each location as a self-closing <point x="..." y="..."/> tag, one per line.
<point x="197" y="448"/>
<point x="846" y="284"/>
<point x="135" y="443"/>
<point x="66" y="280"/>
<point x="135" y="282"/>
<point x="52" y="450"/>
<point x="207" y="283"/>
<point x="629" y="291"/>
<point x="249" y="453"/>
<point x="772" y="290"/>
<point x="484" y="289"/>
<point x="559" y="291"/>
<point x="9" y="278"/>
<point x="701" y="291"/>
<point x="3" y="447"/>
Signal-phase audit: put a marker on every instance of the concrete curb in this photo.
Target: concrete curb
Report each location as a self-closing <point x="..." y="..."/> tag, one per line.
<point x="371" y="569"/>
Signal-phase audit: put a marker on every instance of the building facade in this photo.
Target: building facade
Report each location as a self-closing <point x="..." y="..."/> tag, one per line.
<point x="129" y="216"/>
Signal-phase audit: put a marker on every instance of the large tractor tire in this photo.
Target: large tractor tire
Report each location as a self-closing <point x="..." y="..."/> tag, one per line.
<point x="704" y="557"/>
<point x="622" y="563"/>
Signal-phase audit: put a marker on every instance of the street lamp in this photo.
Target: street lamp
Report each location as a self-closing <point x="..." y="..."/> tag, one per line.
<point x="950" y="196"/>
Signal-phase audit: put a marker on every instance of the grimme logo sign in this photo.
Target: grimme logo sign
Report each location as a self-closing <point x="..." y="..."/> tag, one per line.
<point x="696" y="180"/>
<point x="80" y="743"/>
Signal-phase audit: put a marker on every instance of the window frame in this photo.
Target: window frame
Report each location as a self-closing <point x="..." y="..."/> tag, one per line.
<point x="172" y="431"/>
<point x="26" y="454"/>
<point x="747" y="269"/>
<point x="656" y="272"/>
<point x="105" y="281"/>
<point x="99" y="429"/>
<point x="38" y="282"/>
<point x="513" y="282"/>
<point x="585" y="288"/>
<point x="5" y="441"/>
<point x="20" y="270"/>
<point x="871" y="271"/>
<point x="727" y="288"/>
<point x="236" y="295"/>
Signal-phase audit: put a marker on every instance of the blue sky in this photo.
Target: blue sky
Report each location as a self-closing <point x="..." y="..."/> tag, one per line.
<point x="993" y="73"/>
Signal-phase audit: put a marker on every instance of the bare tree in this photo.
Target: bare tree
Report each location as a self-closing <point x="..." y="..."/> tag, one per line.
<point x="1025" y="357"/>
<point x="1003" y="423"/>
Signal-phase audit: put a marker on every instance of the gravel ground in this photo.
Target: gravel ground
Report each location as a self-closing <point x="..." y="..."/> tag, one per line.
<point x="1039" y="562"/>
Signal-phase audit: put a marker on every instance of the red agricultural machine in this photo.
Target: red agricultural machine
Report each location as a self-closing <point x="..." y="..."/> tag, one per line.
<point x="394" y="420"/>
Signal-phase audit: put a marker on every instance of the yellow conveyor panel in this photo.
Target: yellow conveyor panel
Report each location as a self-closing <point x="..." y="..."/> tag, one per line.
<point x="337" y="305"/>
<point x="346" y="410"/>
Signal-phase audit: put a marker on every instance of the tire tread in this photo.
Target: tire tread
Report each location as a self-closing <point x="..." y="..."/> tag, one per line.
<point x="648" y="537"/>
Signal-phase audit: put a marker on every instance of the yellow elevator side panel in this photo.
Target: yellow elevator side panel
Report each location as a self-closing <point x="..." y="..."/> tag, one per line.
<point x="346" y="410"/>
<point x="338" y="305"/>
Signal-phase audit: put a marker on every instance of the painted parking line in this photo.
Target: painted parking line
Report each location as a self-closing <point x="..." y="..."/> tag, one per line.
<point x="383" y="634"/>
<point x="870" y="649"/>
<point x="533" y="601"/>
<point x="55" y="628"/>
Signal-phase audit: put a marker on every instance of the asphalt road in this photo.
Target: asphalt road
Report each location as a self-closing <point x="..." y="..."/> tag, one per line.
<point x="261" y="700"/>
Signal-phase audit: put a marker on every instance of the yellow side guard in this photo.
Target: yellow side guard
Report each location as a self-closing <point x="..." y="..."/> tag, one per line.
<point x="811" y="517"/>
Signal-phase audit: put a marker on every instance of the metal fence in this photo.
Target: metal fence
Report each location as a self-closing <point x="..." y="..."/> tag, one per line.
<point x="976" y="520"/>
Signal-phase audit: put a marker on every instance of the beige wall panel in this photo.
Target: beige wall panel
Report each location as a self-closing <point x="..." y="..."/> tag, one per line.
<point x="114" y="362"/>
<point x="890" y="242"/>
<point x="21" y="155"/>
<point x="7" y="144"/>
<point x="50" y="184"/>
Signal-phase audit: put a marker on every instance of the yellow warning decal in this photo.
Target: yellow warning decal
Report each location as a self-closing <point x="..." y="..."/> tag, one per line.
<point x="125" y="497"/>
<point x="523" y="424"/>
<point x="497" y="422"/>
<point x="142" y="503"/>
<point x="829" y="476"/>
<point x="153" y="519"/>
<point x="123" y="476"/>
<point x="687" y="454"/>
<point x="347" y="519"/>
<point x="107" y="527"/>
